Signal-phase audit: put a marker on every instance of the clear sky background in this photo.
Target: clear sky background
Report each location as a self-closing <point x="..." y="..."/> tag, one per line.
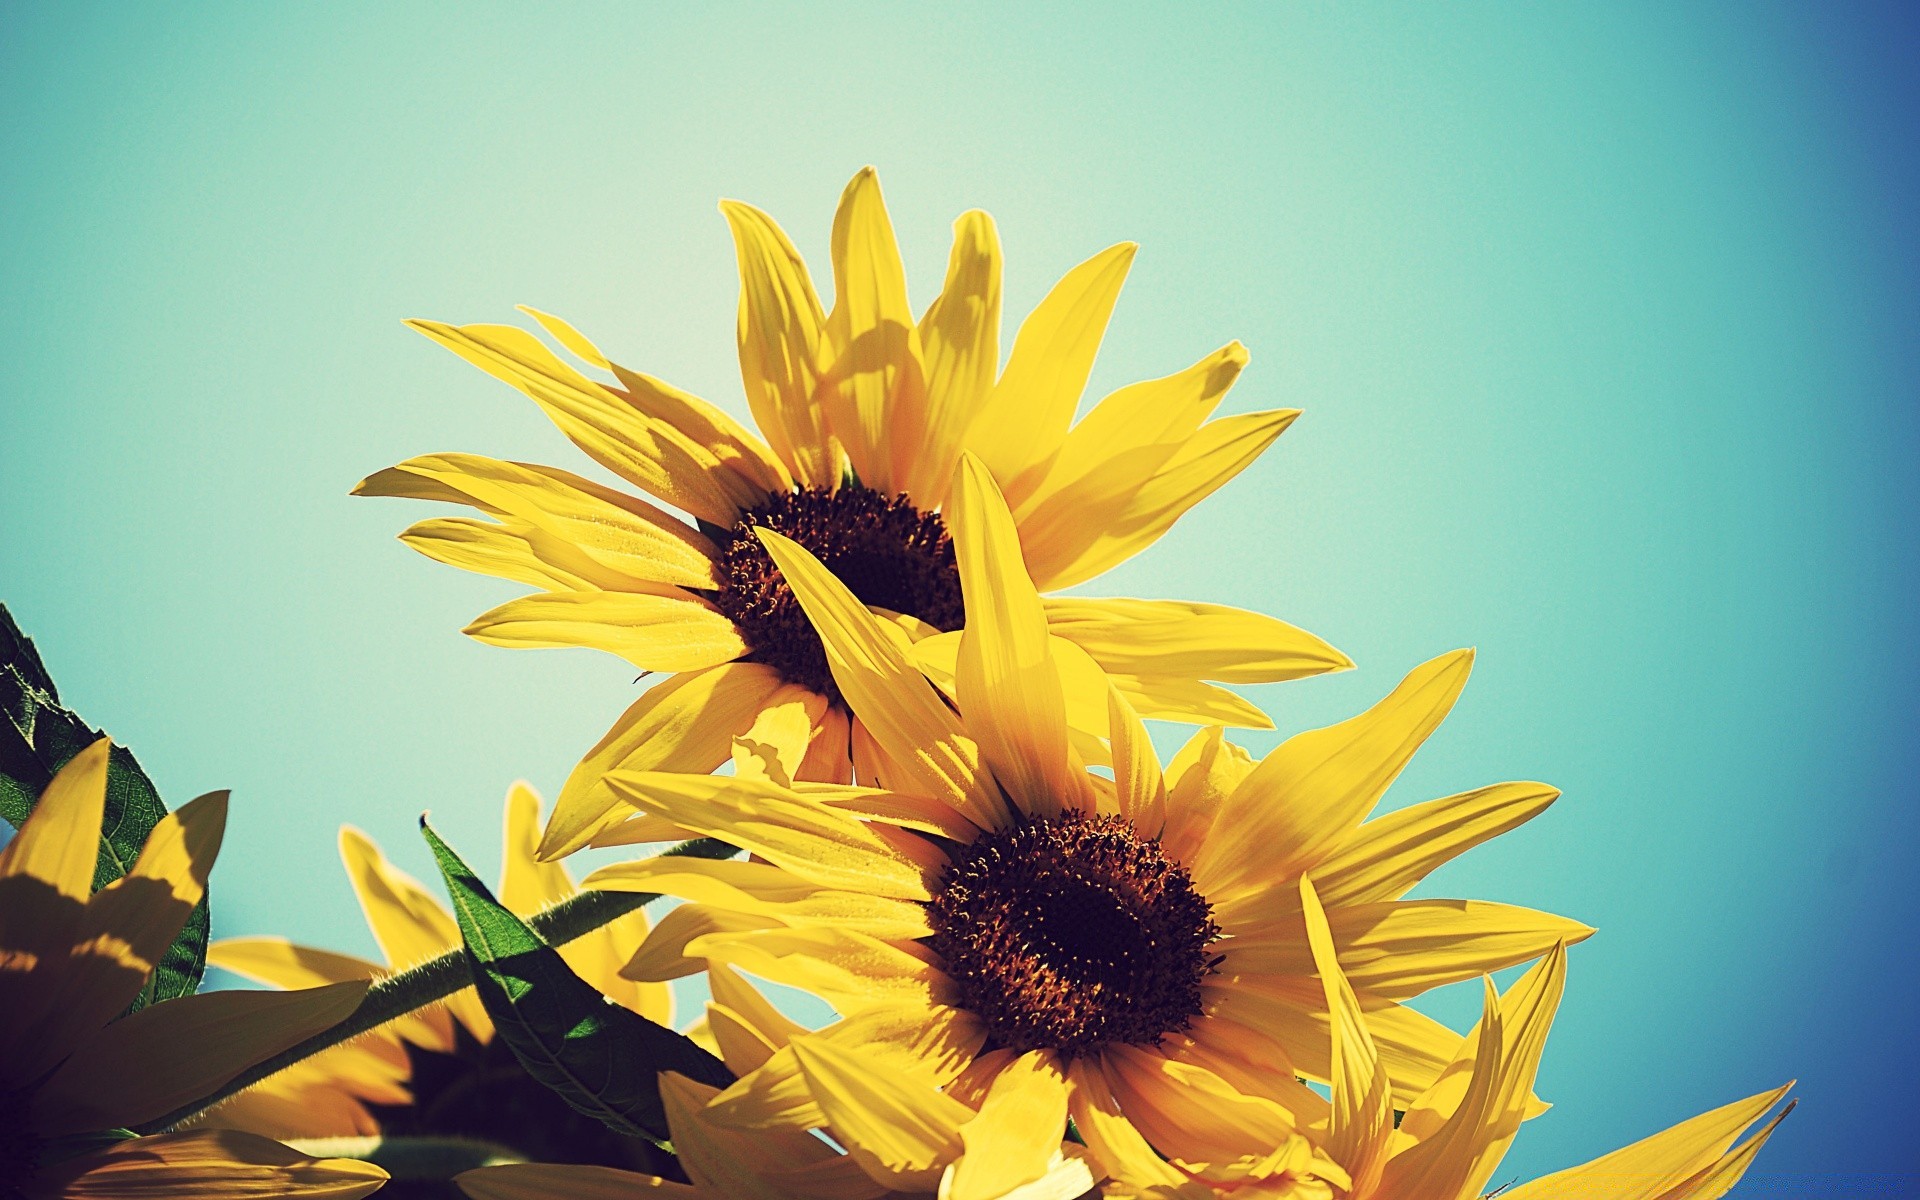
<point x="1603" y="318"/>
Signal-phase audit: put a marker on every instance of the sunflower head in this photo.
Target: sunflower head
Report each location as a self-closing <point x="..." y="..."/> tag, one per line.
<point x="1073" y="933"/>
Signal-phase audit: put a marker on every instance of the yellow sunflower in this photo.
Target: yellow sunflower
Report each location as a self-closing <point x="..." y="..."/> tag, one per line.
<point x="865" y="413"/>
<point x="1135" y="947"/>
<point x="328" y="1095"/>
<point x="72" y="960"/>
<point x="1448" y="1143"/>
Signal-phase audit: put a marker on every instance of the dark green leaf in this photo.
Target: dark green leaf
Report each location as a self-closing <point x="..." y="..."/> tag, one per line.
<point x="602" y="1059"/>
<point x="37" y="737"/>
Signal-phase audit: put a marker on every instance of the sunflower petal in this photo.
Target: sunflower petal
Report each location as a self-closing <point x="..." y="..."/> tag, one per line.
<point x="1008" y="687"/>
<point x="960" y="345"/>
<point x="1218" y="452"/>
<point x="1111" y="1138"/>
<point x="782" y="339"/>
<point x="664" y="956"/>
<point x="557" y="1181"/>
<point x="729" y="442"/>
<point x="1190" y="639"/>
<point x="150" y="1062"/>
<point x="820" y="844"/>
<point x="650" y="454"/>
<point x="1141" y="426"/>
<point x="848" y="970"/>
<point x="218" y="1164"/>
<point x="668" y="631"/>
<point x="1138" y="784"/>
<point x="627" y="537"/>
<point x="1388" y="855"/>
<point x="1648" y="1168"/>
<point x="59" y="842"/>
<point x="1025" y="418"/>
<point x="1187" y="1112"/>
<point x="1362" y="1119"/>
<point x="685" y="723"/>
<point x="1201" y="776"/>
<point x="874" y="393"/>
<point x="895" y="704"/>
<point x="1312" y="791"/>
<point x="407" y="922"/>
<point x="899" y="1130"/>
<point x="508" y="550"/>
<point x="1016" y="1137"/>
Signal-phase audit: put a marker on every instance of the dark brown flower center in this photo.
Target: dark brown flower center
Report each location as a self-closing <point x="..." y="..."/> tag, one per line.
<point x="888" y="553"/>
<point x="1072" y="934"/>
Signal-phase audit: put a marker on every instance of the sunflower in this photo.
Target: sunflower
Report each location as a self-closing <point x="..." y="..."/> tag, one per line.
<point x="1448" y="1143"/>
<point x="1134" y="948"/>
<point x="370" y="1085"/>
<point x="915" y="1143"/>
<point x="865" y="413"/>
<point x="72" y="960"/>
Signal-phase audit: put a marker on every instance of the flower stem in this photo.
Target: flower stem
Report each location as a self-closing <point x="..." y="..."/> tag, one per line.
<point x="397" y="995"/>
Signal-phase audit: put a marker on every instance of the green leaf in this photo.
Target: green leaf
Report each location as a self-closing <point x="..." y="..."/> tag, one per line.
<point x="602" y="1059"/>
<point x="37" y="737"/>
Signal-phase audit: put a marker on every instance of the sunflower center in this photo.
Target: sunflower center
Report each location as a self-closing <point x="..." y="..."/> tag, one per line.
<point x="1072" y="934"/>
<point x="888" y="553"/>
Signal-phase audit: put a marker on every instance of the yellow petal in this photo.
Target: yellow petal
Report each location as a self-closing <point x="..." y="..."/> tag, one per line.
<point x="781" y="346"/>
<point x="1314" y="789"/>
<point x="932" y="1043"/>
<point x="406" y="920"/>
<point x="623" y="535"/>
<point x="1399" y="949"/>
<point x="650" y="454"/>
<point x="1186" y="638"/>
<point x="685" y="723"/>
<point x="893" y="700"/>
<point x="851" y="971"/>
<point x="59" y="842"/>
<point x="1016" y="1138"/>
<point x="512" y="550"/>
<point x="555" y="1181"/>
<point x="960" y="345"/>
<point x="528" y="885"/>
<point x="777" y="742"/>
<point x="874" y="392"/>
<point x="1461" y="1155"/>
<point x="132" y="921"/>
<point x="664" y="955"/>
<point x="1649" y="1167"/>
<point x="1112" y="1139"/>
<point x="899" y="1130"/>
<point x="668" y="631"/>
<point x="729" y="442"/>
<point x="815" y="842"/>
<point x="218" y="1164"/>
<point x="1025" y="418"/>
<point x="1218" y="452"/>
<point x="1187" y="1112"/>
<point x="277" y="962"/>
<point x="576" y="343"/>
<point x="1009" y="690"/>
<point x="1717" y="1180"/>
<point x="1389" y="854"/>
<point x="765" y="890"/>
<point x="1130" y="435"/>
<point x="153" y="1061"/>
<point x="1138" y="784"/>
<point x="1362" y="1118"/>
<point x="1202" y="775"/>
<point x="726" y="1163"/>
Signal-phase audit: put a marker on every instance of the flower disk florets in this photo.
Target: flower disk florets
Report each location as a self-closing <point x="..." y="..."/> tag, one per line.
<point x="888" y="553"/>
<point x="1072" y="934"/>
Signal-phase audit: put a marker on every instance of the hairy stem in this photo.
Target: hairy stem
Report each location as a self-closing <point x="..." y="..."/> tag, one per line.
<point x="397" y="995"/>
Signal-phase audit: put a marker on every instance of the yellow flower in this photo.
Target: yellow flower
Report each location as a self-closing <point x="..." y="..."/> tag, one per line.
<point x="865" y="413"/>
<point x="1451" y="1139"/>
<point x="327" y="1095"/>
<point x="908" y="1138"/>
<point x="72" y="960"/>
<point x="1132" y="949"/>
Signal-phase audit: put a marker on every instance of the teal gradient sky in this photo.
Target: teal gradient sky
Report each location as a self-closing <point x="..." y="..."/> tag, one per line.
<point x="1603" y="319"/>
